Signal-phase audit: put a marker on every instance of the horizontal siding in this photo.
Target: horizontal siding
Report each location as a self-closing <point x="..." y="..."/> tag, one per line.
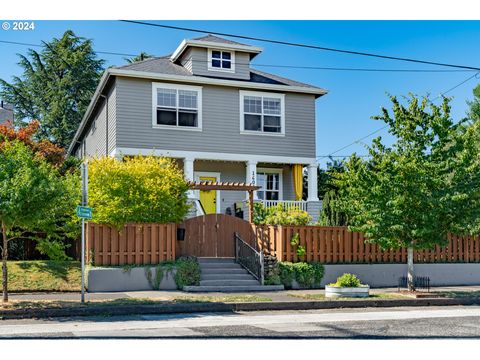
<point x="221" y="124"/>
<point x="96" y="138"/>
<point x="186" y="60"/>
<point x="112" y="119"/>
<point x="199" y="58"/>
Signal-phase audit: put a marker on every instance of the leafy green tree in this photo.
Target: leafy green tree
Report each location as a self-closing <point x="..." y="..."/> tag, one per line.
<point x="33" y="197"/>
<point x="412" y="193"/>
<point x="331" y="215"/>
<point x="56" y="86"/>
<point x="140" y="57"/>
<point x="474" y="113"/>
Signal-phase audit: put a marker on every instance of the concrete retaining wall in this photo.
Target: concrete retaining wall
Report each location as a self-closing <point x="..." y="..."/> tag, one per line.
<point x="133" y="279"/>
<point x="386" y="275"/>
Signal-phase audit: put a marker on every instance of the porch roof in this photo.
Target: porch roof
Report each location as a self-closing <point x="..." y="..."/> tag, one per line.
<point x="220" y="185"/>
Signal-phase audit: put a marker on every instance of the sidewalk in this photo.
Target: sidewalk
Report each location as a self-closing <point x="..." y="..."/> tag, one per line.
<point x="277" y="296"/>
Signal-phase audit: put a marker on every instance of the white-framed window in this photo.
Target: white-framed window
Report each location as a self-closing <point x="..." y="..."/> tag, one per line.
<point x="262" y="113"/>
<point x="220" y="60"/>
<point x="177" y="106"/>
<point x="271" y="183"/>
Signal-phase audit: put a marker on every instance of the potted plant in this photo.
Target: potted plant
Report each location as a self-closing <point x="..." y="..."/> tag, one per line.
<point x="347" y="285"/>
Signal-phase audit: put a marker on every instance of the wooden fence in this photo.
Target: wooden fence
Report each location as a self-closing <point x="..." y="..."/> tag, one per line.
<point x="134" y="244"/>
<point x="331" y="245"/>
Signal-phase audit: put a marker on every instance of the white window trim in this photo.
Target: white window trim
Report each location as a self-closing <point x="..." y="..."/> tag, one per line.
<point x="244" y="93"/>
<point x="198" y="89"/>
<point x="216" y="175"/>
<point x="232" y="61"/>
<point x="278" y="171"/>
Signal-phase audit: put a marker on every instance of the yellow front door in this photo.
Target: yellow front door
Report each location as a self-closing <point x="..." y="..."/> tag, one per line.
<point x="208" y="198"/>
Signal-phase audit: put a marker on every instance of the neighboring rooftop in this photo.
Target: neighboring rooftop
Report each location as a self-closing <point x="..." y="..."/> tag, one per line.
<point x="6" y="112"/>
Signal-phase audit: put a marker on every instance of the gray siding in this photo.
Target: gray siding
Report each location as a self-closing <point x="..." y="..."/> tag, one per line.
<point x="196" y="61"/>
<point x="221" y="124"/>
<point x="96" y="137"/>
<point x="186" y="60"/>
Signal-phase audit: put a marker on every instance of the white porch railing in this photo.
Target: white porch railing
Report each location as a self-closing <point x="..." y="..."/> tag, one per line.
<point x="287" y="204"/>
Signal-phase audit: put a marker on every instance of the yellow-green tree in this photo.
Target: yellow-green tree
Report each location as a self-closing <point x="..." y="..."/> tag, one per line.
<point x="138" y="189"/>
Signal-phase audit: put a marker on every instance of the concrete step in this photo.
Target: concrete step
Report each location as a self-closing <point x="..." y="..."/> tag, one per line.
<point x="207" y="260"/>
<point x="221" y="276"/>
<point x="229" y="282"/>
<point x="241" y="288"/>
<point x="222" y="265"/>
<point x="222" y="271"/>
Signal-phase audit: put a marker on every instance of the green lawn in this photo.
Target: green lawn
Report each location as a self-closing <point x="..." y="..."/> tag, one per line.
<point x="44" y="276"/>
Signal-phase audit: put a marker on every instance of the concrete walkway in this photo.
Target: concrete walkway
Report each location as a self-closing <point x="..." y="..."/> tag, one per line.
<point x="276" y="296"/>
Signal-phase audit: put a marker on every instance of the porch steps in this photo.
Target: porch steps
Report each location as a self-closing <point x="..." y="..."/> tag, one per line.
<point x="225" y="275"/>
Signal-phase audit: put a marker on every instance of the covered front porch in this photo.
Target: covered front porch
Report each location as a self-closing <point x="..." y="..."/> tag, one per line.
<point x="280" y="183"/>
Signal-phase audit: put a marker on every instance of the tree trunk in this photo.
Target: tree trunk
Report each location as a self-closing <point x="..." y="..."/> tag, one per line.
<point x="4" y="263"/>
<point x="411" y="273"/>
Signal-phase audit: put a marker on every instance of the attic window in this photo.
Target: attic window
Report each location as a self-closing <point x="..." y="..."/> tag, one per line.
<point x="219" y="60"/>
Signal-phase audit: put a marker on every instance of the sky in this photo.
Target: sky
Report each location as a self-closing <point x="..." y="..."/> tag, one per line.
<point x="343" y="115"/>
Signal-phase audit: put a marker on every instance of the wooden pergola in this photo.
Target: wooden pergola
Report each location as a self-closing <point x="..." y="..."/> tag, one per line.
<point x="229" y="186"/>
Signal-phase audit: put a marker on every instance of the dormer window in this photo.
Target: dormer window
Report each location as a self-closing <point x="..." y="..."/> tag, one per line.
<point x="219" y="60"/>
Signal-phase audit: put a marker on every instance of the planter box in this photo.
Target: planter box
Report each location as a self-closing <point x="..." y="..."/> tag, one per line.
<point x="335" y="291"/>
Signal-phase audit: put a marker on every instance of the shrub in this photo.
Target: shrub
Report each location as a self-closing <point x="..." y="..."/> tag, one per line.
<point x="188" y="272"/>
<point x="278" y="215"/>
<point x="54" y="249"/>
<point x="139" y="189"/>
<point x="347" y="280"/>
<point x="308" y="275"/>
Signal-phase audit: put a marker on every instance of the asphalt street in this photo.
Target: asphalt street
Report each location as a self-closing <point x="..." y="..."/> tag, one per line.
<point x="370" y="323"/>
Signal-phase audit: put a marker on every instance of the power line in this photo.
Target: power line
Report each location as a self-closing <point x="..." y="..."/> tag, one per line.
<point x="38" y="45"/>
<point x="284" y="66"/>
<point x="316" y="47"/>
<point x="384" y="127"/>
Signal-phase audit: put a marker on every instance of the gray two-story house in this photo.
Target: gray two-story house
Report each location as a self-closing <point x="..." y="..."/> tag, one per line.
<point x="221" y="119"/>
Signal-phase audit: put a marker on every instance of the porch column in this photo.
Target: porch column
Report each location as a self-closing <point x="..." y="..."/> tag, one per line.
<point x="188" y="172"/>
<point x="251" y="176"/>
<point x="312" y="182"/>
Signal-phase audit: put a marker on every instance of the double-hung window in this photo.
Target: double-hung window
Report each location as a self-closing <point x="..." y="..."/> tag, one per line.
<point x="178" y="106"/>
<point x="270" y="182"/>
<point x="221" y="60"/>
<point x="262" y="113"/>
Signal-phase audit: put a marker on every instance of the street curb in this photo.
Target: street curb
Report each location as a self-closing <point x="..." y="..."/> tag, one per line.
<point x="229" y="307"/>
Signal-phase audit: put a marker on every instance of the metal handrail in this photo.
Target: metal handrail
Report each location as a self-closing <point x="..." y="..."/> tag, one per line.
<point x="258" y="273"/>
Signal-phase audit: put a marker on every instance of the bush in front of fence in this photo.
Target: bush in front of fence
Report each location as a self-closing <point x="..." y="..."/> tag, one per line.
<point x="140" y="189"/>
<point x="306" y="275"/>
<point x="188" y="271"/>
<point x="278" y="215"/>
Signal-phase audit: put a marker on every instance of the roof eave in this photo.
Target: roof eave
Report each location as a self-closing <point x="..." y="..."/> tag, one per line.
<point x="218" y="81"/>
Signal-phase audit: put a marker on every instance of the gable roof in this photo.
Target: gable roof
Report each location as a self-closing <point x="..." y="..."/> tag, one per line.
<point x="213" y="38"/>
<point x="212" y="41"/>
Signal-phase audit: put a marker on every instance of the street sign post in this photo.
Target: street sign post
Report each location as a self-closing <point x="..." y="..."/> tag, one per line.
<point x="84" y="212"/>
